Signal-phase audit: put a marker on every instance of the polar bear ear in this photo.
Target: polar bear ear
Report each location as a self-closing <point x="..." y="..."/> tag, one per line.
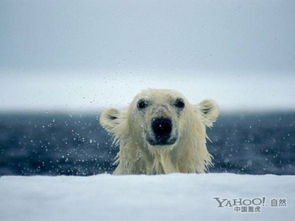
<point x="109" y="119"/>
<point x="209" y="111"/>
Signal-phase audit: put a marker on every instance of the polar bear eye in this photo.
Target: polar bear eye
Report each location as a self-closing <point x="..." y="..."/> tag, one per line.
<point x="141" y="104"/>
<point x="179" y="103"/>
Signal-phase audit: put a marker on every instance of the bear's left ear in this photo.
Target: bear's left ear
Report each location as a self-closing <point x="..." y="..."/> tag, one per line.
<point x="109" y="119"/>
<point x="209" y="111"/>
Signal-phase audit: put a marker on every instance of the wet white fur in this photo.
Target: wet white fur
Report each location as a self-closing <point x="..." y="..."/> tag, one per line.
<point x="188" y="155"/>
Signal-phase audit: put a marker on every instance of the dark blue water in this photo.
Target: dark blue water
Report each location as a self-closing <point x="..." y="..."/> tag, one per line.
<point x="55" y="144"/>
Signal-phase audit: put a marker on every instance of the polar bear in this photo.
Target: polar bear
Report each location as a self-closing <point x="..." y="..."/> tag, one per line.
<point x="161" y="132"/>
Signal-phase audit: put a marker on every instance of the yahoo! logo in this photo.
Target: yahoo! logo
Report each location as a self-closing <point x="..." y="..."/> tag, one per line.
<point x="240" y="202"/>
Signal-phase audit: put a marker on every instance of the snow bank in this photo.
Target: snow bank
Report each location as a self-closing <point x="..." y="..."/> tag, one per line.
<point x="140" y="197"/>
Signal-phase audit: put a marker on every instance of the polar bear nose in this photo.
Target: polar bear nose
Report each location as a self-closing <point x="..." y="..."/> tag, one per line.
<point x="162" y="128"/>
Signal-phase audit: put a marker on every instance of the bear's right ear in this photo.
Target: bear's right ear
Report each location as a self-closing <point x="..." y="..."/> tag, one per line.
<point x="209" y="111"/>
<point x="109" y="119"/>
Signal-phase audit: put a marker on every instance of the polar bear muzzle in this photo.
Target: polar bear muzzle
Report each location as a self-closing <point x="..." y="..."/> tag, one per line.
<point x="161" y="132"/>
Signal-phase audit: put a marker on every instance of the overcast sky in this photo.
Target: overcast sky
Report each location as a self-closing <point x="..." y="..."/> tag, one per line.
<point x="66" y="54"/>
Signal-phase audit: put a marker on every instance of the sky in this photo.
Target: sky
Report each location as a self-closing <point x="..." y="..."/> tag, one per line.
<point x="86" y="55"/>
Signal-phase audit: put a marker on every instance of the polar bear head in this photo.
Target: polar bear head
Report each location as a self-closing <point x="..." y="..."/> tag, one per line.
<point x="161" y="122"/>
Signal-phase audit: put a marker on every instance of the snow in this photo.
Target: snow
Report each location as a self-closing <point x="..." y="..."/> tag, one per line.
<point x="141" y="197"/>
